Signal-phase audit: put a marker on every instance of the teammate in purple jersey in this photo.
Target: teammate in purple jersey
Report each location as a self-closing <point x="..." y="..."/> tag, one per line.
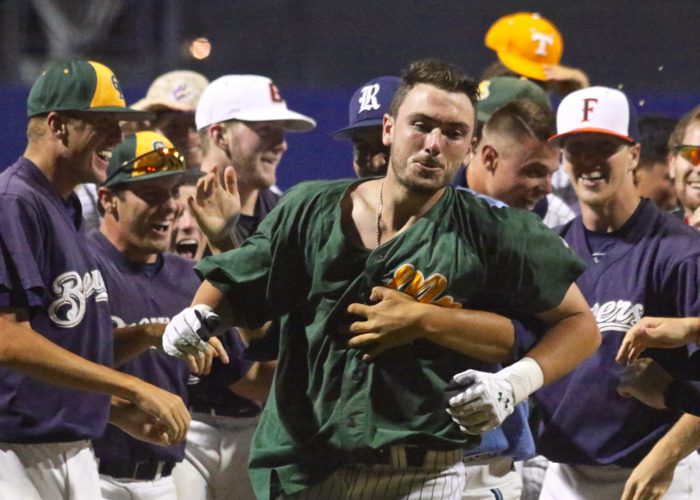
<point x="145" y="285"/>
<point x="51" y="285"/>
<point x="641" y="261"/>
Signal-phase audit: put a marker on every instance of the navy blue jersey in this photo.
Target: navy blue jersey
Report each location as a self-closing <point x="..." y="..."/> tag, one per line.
<point x="138" y="296"/>
<point x="652" y="269"/>
<point x="211" y="392"/>
<point x="247" y="224"/>
<point x="47" y="269"/>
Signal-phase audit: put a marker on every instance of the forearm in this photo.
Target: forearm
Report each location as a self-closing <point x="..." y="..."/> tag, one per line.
<point x="571" y="336"/>
<point x="211" y="296"/>
<point x="565" y="345"/>
<point x="255" y="385"/>
<point x="130" y="341"/>
<point x="34" y="355"/>
<point x="228" y="242"/>
<point x="679" y="442"/>
<point x="478" y="334"/>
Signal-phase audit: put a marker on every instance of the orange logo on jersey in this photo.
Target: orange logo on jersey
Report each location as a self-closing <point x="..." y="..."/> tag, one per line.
<point x="408" y="280"/>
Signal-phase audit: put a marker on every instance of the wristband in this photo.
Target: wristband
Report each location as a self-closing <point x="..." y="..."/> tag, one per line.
<point x="525" y="376"/>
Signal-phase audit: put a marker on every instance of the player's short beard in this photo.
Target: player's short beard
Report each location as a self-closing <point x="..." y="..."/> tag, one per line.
<point x="413" y="184"/>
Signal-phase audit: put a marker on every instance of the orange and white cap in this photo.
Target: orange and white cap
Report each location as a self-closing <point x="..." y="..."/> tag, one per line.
<point x="597" y="109"/>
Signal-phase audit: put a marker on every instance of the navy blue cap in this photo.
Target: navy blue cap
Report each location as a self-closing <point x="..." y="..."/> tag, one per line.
<point x="368" y="105"/>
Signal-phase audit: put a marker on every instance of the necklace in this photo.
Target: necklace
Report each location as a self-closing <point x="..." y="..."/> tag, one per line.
<point x="378" y="217"/>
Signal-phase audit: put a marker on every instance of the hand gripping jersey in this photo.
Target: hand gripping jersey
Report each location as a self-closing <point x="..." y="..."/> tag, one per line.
<point x="650" y="267"/>
<point x="140" y="294"/>
<point x="47" y="269"/>
<point x="326" y="402"/>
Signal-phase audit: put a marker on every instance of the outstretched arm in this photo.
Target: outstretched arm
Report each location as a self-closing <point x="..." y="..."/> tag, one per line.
<point x="653" y="332"/>
<point x="29" y="352"/>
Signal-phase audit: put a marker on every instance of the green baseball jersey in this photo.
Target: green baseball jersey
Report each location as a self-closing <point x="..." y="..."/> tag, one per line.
<point x="327" y="403"/>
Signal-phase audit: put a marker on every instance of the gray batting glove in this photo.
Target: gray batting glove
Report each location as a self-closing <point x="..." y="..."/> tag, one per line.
<point x="187" y="332"/>
<point x="484" y="405"/>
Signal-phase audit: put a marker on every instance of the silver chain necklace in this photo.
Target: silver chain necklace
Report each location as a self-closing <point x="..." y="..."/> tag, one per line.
<point x="378" y="217"/>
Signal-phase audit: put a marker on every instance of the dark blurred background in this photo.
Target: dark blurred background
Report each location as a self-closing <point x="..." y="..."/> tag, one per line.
<point x="319" y="51"/>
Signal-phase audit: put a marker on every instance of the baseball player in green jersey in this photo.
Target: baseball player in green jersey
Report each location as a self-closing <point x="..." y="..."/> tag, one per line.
<point x="338" y="425"/>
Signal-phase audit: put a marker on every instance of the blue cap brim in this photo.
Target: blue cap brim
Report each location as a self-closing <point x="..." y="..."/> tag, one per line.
<point x="346" y="133"/>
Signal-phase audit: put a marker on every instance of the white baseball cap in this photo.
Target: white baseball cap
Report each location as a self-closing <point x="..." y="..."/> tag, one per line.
<point x="250" y="98"/>
<point x="177" y="90"/>
<point x="597" y="109"/>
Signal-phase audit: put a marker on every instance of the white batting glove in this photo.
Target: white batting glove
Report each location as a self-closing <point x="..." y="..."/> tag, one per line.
<point x="188" y="331"/>
<point x="491" y="397"/>
<point x="484" y="405"/>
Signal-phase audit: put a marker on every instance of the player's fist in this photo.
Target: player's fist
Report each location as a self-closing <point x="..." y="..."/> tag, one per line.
<point x="188" y="331"/>
<point x="488" y="400"/>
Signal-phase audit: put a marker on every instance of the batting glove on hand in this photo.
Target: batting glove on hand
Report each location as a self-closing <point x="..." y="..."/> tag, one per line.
<point x="189" y="330"/>
<point x="484" y="405"/>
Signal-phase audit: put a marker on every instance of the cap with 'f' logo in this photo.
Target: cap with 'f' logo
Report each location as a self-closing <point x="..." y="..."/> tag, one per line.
<point x="85" y="86"/>
<point x="368" y="105"/>
<point x="597" y="109"/>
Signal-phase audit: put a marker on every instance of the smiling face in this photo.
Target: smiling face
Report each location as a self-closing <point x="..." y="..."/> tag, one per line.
<point x="140" y="217"/>
<point x="521" y="173"/>
<point x="188" y="239"/>
<point x="89" y="139"/>
<point x="600" y="167"/>
<point x="255" y="150"/>
<point x="430" y="136"/>
<point x="686" y="176"/>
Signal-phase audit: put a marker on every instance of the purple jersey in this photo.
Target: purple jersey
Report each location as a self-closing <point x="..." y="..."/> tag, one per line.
<point x="47" y="269"/>
<point x="137" y="296"/>
<point x="212" y="392"/>
<point x="647" y="267"/>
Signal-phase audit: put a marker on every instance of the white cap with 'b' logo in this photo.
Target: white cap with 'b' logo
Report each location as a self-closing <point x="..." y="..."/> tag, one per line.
<point x="596" y="109"/>
<point x="249" y="98"/>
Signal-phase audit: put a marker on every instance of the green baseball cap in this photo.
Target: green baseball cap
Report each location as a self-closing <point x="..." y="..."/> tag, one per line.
<point x="501" y="90"/>
<point x="143" y="156"/>
<point x="77" y="85"/>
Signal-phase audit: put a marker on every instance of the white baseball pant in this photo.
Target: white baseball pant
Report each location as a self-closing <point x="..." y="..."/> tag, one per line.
<point x="48" y="470"/>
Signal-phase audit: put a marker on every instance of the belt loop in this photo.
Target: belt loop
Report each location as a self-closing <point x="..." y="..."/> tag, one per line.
<point x="159" y="471"/>
<point x="398" y="456"/>
<point x="431" y="459"/>
<point x="136" y="470"/>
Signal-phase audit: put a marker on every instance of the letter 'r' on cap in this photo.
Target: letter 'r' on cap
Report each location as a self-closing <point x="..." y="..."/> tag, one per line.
<point x="597" y="109"/>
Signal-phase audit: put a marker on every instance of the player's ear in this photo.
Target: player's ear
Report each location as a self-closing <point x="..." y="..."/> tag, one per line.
<point x="489" y="156"/>
<point x="387" y="129"/>
<point x="217" y="135"/>
<point x="107" y="201"/>
<point x="634" y="155"/>
<point x="57" y="125"/>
